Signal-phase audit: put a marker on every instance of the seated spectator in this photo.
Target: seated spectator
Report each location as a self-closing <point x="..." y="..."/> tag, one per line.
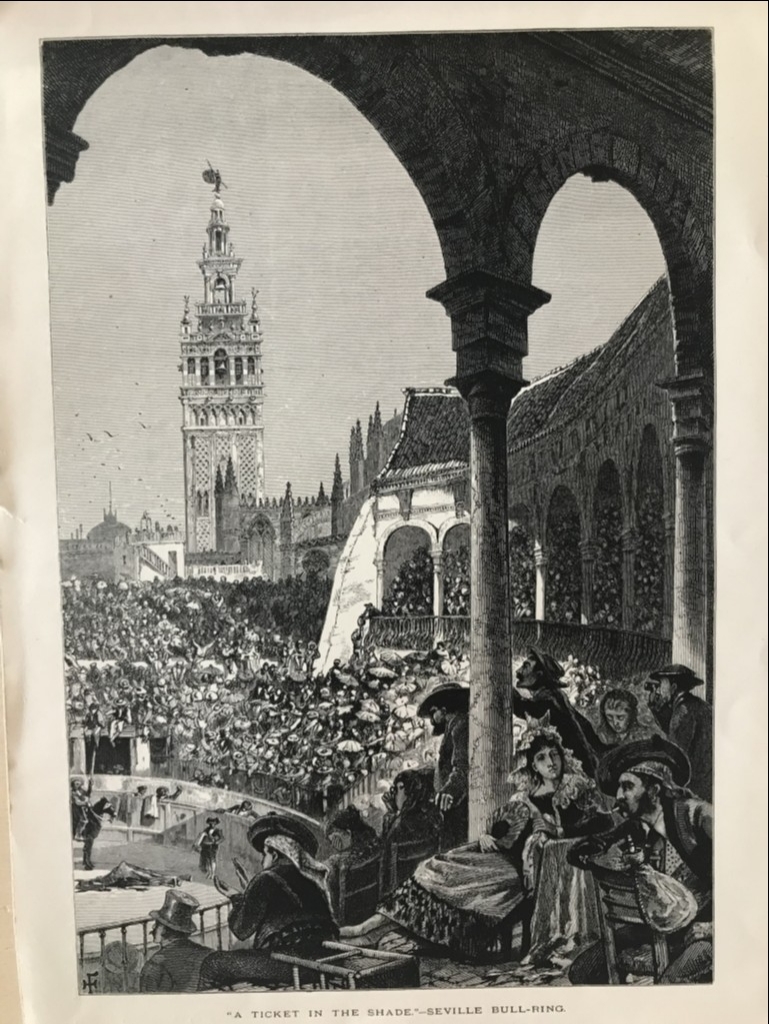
<point x="411" y="817"/>
<point x="466" y="898"/>
<point x="353" y="842"/>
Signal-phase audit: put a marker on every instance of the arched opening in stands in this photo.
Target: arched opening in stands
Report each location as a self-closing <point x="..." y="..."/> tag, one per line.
<point x="456" y="570"/>
<point x="564" y="567"/>
<point x="408" y="573"/>
<point x="522" y="571"/>
<point x="260" y="546"/>
<point x="650" y="580"/>
<point x="607" y="520"/>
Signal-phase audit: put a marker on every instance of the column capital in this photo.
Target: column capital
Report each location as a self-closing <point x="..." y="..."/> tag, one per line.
<point x="630" y="538"/>
<point x="691" y="398"/>
<point x="62" y="149"/>
<point x="588" y="549"/>
<point x="489" y="317"/>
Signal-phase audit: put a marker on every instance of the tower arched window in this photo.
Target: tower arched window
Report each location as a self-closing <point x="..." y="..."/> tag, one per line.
<point x="251" y="366"/>
<point x="221" y="367"/>
<point x="204" y="379"/>
<point x="220" y="291"/>
<point x="190" y="367"/>
<point x="238" y="369"/>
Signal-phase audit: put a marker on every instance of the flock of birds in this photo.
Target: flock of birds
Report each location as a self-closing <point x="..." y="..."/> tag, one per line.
<point x="108" y="438"/>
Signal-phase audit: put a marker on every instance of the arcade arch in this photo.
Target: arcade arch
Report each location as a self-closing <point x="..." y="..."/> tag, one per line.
<point x="563" y="588"/>
<point x="486" y="188"/>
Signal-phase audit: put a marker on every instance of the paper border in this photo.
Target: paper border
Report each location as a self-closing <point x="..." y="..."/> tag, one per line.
<point x="31" y="616"/>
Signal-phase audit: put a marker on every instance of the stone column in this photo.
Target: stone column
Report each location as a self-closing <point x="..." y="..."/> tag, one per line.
<point x="140" y="756"/>
<point x="489" y="335"/>
<point x="629" y="549"/>
<point x="379" y="562"/>
<point x="669" y="521"/>
<point x="540" y="593"/>
<point x="588" y="552"/>
<point x="691" y="400"/>
<point x="77" y="748"/>
<point x="437" y="556"/>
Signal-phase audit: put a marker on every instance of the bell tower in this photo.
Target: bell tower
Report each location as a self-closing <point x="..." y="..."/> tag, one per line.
<point x="222" y="394"/>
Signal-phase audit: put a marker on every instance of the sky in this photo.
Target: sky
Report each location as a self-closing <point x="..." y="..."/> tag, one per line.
<point x="332" y="232"/>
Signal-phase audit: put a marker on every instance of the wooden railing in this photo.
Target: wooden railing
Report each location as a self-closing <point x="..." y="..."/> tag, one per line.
<point x="136" y="932"/>
<point x="273" y="789"/>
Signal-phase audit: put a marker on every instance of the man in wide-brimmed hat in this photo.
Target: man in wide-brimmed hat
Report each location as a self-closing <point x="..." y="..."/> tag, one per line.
<point x="175" y="967"/>
<point x="285" y="907"/>
<point x="447" y="707"/>
<point x="686" y="719"/>
<point x="540" y="676"/>
<point x="671" y="832"/>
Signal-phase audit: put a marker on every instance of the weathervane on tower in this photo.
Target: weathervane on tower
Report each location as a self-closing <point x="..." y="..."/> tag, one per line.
<point x="213" y="177"/>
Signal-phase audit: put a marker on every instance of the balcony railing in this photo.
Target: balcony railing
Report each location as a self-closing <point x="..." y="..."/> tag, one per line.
<point x="419" y="632"/>
<point x="220" y="308"/>
<point x="616" y="652"/>
<point x="227" y="571"/>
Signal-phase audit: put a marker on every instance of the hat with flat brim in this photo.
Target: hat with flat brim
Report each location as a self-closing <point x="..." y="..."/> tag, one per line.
<point x="449" y="696"/>
<point x="550" y="671"/>
<point x="682" y="675"/>
<point x="275" y="824"/>
<point x="656" y="758"/>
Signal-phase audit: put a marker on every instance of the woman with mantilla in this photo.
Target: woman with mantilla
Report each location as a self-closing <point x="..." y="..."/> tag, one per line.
<point x="468" y="898"/>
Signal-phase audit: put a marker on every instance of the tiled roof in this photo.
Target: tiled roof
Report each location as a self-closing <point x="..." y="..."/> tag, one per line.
<point x="568" y="394"/>
<point x="434" y="437"/>
<point x="435" y="430"/>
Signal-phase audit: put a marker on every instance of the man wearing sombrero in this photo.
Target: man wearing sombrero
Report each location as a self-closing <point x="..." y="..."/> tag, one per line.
<point x="669" y="830"/>
<point x="540" y="678"/>
<point x="447" y="707"/>
<point x="686" y="719"/>
<point x="284" y="908"/>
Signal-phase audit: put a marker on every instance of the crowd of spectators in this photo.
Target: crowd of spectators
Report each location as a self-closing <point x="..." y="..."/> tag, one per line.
<point x="242" y="705"/>
<point x="607" y="571"/>
<point x="649" y="565"/>
<point x="186" y="618"/>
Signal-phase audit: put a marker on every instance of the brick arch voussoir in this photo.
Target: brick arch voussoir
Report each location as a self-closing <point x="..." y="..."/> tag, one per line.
<point x="394" y="88"/>
<point x="682" y="229"/>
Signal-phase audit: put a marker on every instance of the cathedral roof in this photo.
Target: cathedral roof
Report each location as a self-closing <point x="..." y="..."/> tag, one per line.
<point x="435" y="430"/>
<point x="110" y="529"/>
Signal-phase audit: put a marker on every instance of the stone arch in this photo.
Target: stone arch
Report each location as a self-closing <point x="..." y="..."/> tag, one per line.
<point x="685" y="238"/>
<point x="522" y="538"/>
<point x="455" y="547"/>
<point x="391" y="87"/>
<point x="407" y="569"/>
<point x="564" y="566"/>
<point x="608" y="528"/>
<point x="650" y="571"/>
<point x="260" y="544"/>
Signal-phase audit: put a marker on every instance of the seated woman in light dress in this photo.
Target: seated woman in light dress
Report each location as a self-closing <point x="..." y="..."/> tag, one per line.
<point x="468" y="898"/>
